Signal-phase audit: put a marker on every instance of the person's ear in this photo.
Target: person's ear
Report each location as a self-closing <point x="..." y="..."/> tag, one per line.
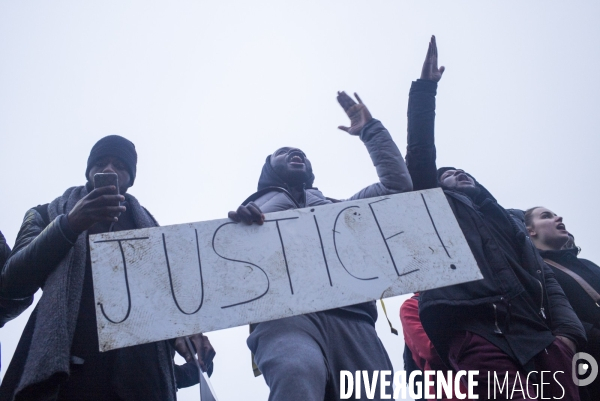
<point x="90" y="179"/>
<point x="531" y="231"/>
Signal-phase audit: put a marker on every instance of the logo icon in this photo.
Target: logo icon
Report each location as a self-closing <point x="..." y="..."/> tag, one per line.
<point x="584" y="369"/>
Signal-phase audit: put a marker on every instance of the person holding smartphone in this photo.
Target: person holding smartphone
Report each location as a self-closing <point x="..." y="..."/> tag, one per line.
<point x="57" y="356"/>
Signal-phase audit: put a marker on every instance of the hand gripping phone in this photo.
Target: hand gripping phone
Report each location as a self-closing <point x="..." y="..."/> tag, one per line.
<point x="104" y="180"/>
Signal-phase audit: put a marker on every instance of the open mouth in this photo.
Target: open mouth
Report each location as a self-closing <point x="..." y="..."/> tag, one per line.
<point x="463" y="178"/>
<point x="296" y="157"/>
<point x="561" y="226"/>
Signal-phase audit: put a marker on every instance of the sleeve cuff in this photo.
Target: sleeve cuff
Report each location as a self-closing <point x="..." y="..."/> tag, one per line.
<point x="365" y="135"/>
<point x="66" y="230"/>
<point x="424" y="85"/>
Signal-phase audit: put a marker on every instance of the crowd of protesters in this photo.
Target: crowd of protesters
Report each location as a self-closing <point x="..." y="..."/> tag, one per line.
<point x="536" y="306"/>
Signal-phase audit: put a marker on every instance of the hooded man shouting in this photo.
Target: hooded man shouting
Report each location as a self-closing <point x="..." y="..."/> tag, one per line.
<point x="517" y="318"/>
<point x="301" y="356"/>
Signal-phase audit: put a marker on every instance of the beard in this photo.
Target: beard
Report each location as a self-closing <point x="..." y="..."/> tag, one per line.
<point x="295" y="178"/>
<point x="292" y="178"/>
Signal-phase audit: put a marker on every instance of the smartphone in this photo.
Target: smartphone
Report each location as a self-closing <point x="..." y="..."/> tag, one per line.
<point x="106" y="179"/>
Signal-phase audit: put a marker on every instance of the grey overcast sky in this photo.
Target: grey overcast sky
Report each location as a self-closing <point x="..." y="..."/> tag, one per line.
<point x="206" y="90"/>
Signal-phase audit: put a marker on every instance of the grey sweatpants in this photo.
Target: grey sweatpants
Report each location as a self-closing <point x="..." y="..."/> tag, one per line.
<point x="301" y="356"/>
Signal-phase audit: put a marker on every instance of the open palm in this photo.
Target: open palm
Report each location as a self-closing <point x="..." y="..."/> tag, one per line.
<point x="357" y="112"/>
<point x="430" y="69"/>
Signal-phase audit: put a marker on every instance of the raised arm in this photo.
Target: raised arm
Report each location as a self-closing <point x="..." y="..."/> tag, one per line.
<point x="420" y="152"/>
<point x="386" y="157"/>
<point x="40" y="245"/>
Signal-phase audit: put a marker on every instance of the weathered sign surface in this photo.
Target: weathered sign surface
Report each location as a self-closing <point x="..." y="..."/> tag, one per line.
<point x="158" y="283"/>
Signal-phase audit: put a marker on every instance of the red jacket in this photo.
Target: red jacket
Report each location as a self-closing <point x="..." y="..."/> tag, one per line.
<point x="423" y="352"/>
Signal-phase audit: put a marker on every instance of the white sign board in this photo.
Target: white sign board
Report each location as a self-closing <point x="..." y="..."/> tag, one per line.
<point x="158" y="283"/>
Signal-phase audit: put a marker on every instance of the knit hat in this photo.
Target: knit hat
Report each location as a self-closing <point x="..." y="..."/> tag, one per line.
<point x="117" y="146"/>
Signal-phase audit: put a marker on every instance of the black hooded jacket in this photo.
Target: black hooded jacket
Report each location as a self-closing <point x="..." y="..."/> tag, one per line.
<point x="518" y="305"/>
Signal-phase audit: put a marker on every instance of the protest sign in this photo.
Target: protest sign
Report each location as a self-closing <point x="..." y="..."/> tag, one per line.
<point x="157" y="283"/>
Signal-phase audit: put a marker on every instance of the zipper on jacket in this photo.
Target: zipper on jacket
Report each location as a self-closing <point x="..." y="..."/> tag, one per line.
<point x="497" y="329"/>
<point x="542" y="300"/>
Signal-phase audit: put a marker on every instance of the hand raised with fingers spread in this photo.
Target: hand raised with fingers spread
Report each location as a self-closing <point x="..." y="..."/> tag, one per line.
<point x="430" y="70"/>
<point x="357" y="112"/>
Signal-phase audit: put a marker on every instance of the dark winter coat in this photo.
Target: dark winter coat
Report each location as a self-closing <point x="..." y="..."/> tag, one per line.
<point x="52" y="257"/>
<point x="10" y="308"/>
<point x="587" y="310"/>
<point x="273" y="195"/>
<point x="518" y="305"/>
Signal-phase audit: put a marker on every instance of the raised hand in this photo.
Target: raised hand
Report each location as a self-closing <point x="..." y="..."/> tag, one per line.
<point x="357" y="112"/>
<point x="102" y="204"/>
<point x="430" y="69"/>
<point x="248" y="214"/>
